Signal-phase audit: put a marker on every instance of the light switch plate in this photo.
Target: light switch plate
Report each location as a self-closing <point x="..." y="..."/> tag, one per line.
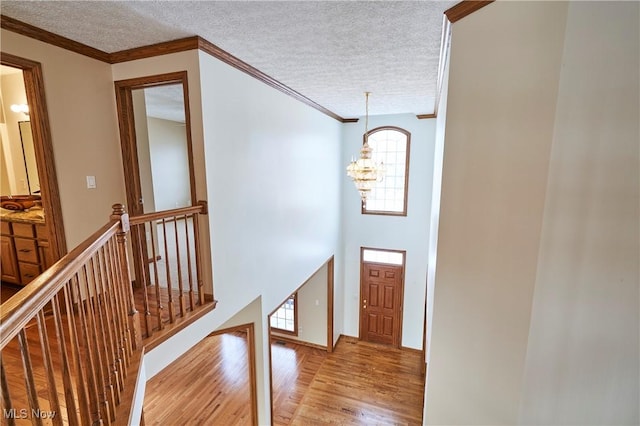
<point x="91" y="182"/>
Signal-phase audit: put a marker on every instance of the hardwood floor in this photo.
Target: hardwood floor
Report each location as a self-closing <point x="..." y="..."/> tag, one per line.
<point x="293" y="369"/>
<point x="358" y="384"/>
<point x="209" y="385"/>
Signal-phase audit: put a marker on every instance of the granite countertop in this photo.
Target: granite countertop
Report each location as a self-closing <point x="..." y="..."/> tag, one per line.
<point x="33" y="215"/>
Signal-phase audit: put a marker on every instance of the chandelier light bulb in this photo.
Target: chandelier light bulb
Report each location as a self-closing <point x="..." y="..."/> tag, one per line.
<point x="364" y="171"/>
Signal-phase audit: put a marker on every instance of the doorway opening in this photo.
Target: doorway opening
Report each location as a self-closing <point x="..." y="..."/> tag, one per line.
<point x="32" y="245"/>
<point x="381" y="295"/>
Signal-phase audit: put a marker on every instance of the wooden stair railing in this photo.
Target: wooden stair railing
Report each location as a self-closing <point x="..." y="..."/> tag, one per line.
<point x="70" y="340"/>
<point x="167" y="259"/>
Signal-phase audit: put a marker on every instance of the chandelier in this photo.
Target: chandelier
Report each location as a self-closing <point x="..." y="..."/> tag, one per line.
<point x="364" y="171"/>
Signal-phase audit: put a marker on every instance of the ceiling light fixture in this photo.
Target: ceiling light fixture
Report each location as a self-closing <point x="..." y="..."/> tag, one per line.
<point x="23" y="108"/>
<point x="364" y="171"/>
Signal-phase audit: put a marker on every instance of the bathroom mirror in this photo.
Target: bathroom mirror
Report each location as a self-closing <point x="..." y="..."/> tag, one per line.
<point x="29" y="156"/>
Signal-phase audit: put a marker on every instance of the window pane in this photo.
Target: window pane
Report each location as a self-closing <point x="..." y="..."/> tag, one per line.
<point x="382" y="256"/>
<point x="389" y="147"/>
<point x="284" y="318"/>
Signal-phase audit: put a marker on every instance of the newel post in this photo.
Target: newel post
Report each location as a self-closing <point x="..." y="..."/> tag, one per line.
<point x="122" y="216"/>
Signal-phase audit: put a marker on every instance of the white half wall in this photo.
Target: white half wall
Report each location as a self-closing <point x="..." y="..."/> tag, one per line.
<point x="583" y="352"/>
<point x="410" y="233"/>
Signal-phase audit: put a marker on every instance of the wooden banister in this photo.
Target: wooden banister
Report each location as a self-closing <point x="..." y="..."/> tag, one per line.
<point x="83" y="354"/>
<point x="22" y="307"/>
<point x="71" y="341"/>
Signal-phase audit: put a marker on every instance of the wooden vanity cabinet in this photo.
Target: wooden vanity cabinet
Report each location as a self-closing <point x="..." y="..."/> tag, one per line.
<point x="25" y="251"/>
<point x="9" y="265"/>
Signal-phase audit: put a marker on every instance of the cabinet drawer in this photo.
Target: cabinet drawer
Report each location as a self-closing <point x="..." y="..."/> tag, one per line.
<point x="23" y="230"/>
<point x="28" y="272"/>
<point x="41" y="232"/>
<point x="26" y="250"/>
<point x="6" y="228"/>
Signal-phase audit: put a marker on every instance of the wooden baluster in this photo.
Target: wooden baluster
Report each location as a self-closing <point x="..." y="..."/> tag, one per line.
<point x="85" y="343"/>
<point x="189" y="266"/>
<point x="104" y="332"/>
<point x="32" y="392"/>
<point x="172" y="314"/>
<point x="80" y="374"/>
<point x="156" y="277"/>
<point x="179" y="265"/>
<point x="140" y="231"/>
<point x="6" y="397"/>
<point x="121" y="287"/>
<point x="72" y="414"/>
<point x="54" y="404"/>
<point x="93" y="337"/>
<point x="196" y="242"/>
<point x="111" y="310"/>
<point x="121" y="236"/>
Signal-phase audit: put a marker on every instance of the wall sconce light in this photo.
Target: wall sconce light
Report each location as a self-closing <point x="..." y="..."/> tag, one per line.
<point x="23" y="108"/>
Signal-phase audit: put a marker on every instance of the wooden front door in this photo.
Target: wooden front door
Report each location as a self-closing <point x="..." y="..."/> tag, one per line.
<point x="381" y="290"/>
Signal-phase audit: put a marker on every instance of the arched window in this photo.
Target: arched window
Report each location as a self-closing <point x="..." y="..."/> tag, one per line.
<point x="390" y="146"/>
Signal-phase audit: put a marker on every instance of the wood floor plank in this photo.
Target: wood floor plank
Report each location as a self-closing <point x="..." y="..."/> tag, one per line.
<point x="209" y="385"/>
<point x="358" y="384"/>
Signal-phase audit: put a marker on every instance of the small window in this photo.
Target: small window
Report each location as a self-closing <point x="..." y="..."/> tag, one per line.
<point x="285" y="319"/>
<point x="391" y="147"/>
<point x="382" y="256"/>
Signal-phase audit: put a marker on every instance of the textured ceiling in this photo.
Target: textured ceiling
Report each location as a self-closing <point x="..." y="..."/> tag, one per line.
<point x="329" y="51"/>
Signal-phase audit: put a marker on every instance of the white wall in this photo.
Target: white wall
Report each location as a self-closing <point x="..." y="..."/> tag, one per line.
<point x="436" y="192"/>
<point x="582" y="357"/>
<point x="408" y="233"/>
<point x="503" y="78"/>
<point x="169" y="163"/>
<point x="84" y="129"/>
<point x="273" y="173"/>
<point x="312" y="310"/>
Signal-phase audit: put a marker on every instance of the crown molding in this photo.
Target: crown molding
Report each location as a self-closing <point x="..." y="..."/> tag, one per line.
<point x="453" y="14"/>
<point x="30" y="31"/>
<point x="464" y="8"/>
<point x="158" y="49"/>
<point x="213" y="50"/>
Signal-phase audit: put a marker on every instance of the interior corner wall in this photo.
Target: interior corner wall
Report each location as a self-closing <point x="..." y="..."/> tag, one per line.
<point x="84" y="130"/>
<point x="583" y="354"/>
<point x="312" y="310"/>
<point x="503" y="82"/>
<point x="410" y="233"/>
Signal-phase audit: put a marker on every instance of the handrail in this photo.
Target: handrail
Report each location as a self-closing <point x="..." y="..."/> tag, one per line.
<point x="20" y="309"/>
<point x="87" y="335"/>
<point x="200" y="208"/>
